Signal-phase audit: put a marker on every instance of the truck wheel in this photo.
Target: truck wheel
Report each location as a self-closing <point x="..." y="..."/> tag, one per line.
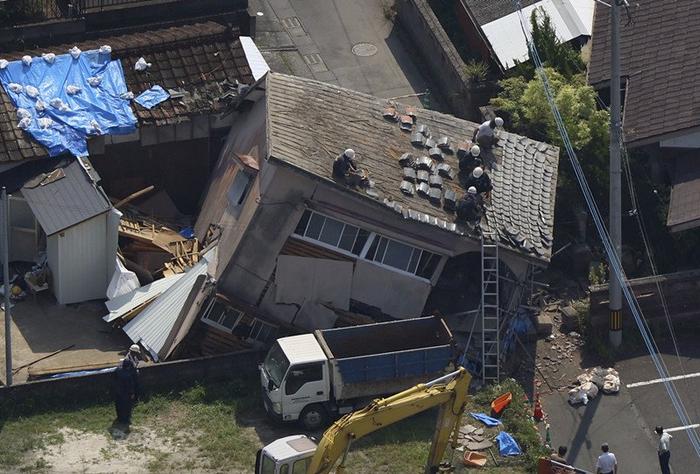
<point x="313" y="417"/>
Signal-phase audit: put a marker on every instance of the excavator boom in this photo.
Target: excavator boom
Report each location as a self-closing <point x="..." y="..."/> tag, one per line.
<point x="448" y="392"/>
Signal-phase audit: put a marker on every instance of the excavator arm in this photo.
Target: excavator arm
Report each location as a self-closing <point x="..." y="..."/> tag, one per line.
<point x="448" y="392"/>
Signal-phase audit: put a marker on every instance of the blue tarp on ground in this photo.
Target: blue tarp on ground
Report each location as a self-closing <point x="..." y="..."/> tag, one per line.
<point x="507" y="446"/>
<point x="485" y="419"/>
<point x="94" y="110"/>
<point x="152" y="97"/>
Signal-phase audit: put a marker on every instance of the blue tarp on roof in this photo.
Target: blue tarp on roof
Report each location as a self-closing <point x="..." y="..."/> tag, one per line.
<point x="152" y="97"/>
<point x="92" y="110"/>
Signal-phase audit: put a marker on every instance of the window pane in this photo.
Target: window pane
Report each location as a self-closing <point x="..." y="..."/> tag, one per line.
<point x="360" y="241"/>
<point x="372" y="248"/>
<point x="331" y="232"/>
<point x="414" y="260"/>
<point x="428" y="264"/>
<point x="397" y="255"/>
<point x="380" y="249"/>
<point x="237" y="191"/>
<point x="315" y="225"/>
<point x="229" y="318"/>
<point x="348" y="238"/>
<point x="301" y="226"/>
<point x="301" y="466"/>
<point x="284" y="469"/>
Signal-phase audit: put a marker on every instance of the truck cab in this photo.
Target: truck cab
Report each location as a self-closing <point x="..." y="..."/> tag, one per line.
<point x="289" y="455"/>
<point x="296" y="382"/>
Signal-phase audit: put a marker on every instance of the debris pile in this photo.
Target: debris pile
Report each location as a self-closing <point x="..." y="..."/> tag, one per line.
<point x="593" y="380"/>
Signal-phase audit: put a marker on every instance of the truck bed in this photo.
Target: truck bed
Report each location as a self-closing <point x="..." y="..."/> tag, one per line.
<point x="385" y="358"/>
<point x="380" y="338"/>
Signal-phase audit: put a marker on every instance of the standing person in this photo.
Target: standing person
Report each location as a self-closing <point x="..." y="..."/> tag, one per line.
<point x="607" y="462"/>
<point x="126" y="390"/>
<point x="484" y="135"/>
<point x="664" y="449"/>
<point x="134" y="355"/>
<point x="559" y="457"/>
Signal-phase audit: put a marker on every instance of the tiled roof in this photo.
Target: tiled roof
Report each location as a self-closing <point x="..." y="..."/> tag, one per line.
<point x="659" y="56"/>
<point x="308" y="120"/>
<point x="684" y="208"/>
<point x="195" y="57"/>
<point x="486" y="11"/>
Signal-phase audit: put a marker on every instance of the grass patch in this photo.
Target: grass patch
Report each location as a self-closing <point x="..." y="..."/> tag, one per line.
<point x="208" y="418"/>
<point x="517" y="420"/>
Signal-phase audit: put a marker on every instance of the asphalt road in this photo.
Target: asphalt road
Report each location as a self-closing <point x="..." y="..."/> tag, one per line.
<point x="626" y="421"/>
<point x="347" y="43"/>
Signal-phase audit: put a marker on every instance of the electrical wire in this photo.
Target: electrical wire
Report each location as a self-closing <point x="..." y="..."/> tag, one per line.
<point x="613" y="258"/>
<point x="639" y="217"/>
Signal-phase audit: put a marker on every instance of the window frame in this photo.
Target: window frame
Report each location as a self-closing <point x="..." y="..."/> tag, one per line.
<point x="367" y="245"/>
<point x="217" y="324"/>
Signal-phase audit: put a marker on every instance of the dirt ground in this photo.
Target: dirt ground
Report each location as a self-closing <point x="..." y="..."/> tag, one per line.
<point x="43" y="327"/>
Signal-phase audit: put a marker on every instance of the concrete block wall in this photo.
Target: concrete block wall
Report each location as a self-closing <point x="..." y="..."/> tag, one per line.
<point x="442" y="63"/>
<point x="160" y="377"/>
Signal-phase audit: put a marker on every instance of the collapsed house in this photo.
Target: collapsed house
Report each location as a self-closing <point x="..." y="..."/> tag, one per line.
<point x="305" y="248"/>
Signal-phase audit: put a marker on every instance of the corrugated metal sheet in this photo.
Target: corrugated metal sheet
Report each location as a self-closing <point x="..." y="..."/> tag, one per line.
<point x="79" y="267"/>
<point x="67" y="201"/>
<point x="569" y="19"/>
<point x="152" y="326"/>
<point x="122" y="304"/>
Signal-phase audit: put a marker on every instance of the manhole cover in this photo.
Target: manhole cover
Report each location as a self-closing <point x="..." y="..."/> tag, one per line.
<point x="364" y="49"/>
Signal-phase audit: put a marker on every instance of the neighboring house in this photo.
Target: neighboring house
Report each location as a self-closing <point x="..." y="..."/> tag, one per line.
<point x="661" y="101"/>
<point x="493" y="30"/>
<point x="62" y="211"/>
<point x="303" y="247"/>
<point x="200" y="64"/>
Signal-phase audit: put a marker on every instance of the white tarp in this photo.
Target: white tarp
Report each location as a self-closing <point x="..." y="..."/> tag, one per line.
<point x="123" y="281"/>
<point x="258" y="65"/>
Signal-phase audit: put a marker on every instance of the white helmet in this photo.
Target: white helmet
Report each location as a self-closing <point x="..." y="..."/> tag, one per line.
<point x="475" y="150"/>
<point x="477" y="172"/>
<point x="471" y="190"/>
<point x="499" y="122"/>
<point x="135" y="348"/>
<point x="350" y="153"/>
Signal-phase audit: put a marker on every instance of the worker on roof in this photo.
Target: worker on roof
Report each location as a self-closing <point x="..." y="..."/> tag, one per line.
<point x="485" y="135"/>
<point x="469" y="161"/>
<point x="344" y="167"/>
<point x="471" y="207"/>
<point x="480" y="180"/>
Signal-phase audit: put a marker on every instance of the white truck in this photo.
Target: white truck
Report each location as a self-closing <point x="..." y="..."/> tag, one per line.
<point x="313" y="377"/>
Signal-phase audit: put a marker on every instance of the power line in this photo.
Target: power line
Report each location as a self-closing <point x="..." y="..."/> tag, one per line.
<point x="610" y="251"/>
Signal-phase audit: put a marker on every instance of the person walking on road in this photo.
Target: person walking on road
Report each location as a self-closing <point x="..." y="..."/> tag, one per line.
<point x="607" y="463"/>
<point x="664" y="449"/>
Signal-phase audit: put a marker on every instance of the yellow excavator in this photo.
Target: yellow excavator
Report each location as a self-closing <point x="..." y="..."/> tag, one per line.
<point x="299" y="454"/>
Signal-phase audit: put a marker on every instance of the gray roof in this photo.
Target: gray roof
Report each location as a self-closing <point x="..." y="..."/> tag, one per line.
<point x="660" y="61"/>
<point x="66" y="201"/>
<point x="486" y="11"/>
<point x="310" y="120"/>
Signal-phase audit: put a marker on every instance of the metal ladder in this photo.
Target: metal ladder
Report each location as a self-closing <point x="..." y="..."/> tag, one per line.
<point x="490" y="310"/>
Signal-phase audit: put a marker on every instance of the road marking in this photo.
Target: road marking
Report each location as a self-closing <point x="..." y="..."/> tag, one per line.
<point x="651" y="382"/>
<point x="681" y="428"/>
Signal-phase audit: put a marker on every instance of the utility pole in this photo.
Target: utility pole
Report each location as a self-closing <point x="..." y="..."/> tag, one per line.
<point x="615" y="297"/>
<point x="5" y="224"/>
